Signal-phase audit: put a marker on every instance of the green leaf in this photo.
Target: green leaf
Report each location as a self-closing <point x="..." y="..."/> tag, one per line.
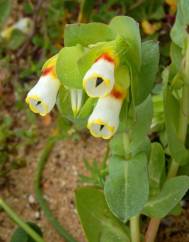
<point x="179" y="31"/>
<point x="156" y="168"/>
<point x="177" y="149"/>
<point x="139" y="125"/>
<point x="176" y="61"/>
<point x="176" y="211"/>
<point x="172" y="192"/>
<point x="184" y="170"/>
<point x="20" y="235"/>
<point x="87" y="108"/>
<point x="142" y="84"/>
<point x="126" y="190"/>
<point x="121" y="140"/>
<point x="5" y="9"/>
<point x="134" y="138"/>
<point x="117" y="144"/>
<point x="98" y="222"/>
<point x="86" y="34"/>
<point x="67" y="68"/>
<point x="129" y="29"/>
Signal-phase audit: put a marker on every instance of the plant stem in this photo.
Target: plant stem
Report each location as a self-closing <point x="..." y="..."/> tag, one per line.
<point x="86" y="7"/>
<point x="135" y="228"/>
<point x="105" y="157"/>
<point x="173" y="169"/>
<point x="182" y="129"/>
<point x="174" y="166"/>
<point x="152" y="230"/>
<point x="20" y="222"/>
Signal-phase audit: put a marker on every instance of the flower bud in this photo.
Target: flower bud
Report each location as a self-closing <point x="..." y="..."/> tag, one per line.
<point x="99" y="79"/>
<point x="76" y="100"/>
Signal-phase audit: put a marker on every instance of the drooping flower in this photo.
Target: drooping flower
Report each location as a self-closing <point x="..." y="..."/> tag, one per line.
<point x="25" y="25"/>
<point x="99" y="79"/>
<point x="76" y="100"/>
<point x="42" y="97"/>
<point x="104" y="120"/>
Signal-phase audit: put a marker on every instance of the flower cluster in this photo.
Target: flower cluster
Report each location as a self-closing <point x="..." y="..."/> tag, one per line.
<point x="98" y="82"/>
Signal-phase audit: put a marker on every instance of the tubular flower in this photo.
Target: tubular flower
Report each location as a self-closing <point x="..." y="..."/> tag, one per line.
<point x="104" y="120"/>
<point x="76" y="100"/>
<point x="99" y="79"/>
<point x="42" y="97"/>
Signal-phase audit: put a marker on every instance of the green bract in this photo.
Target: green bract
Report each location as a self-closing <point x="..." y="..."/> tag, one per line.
<point x="67" y="68"/>
<point x="176" y="147"/>
<point x="87" y="34"/>
<point x="128" y="28"/>
<point x="143" y="82"/>
<point x="180" y="30"/>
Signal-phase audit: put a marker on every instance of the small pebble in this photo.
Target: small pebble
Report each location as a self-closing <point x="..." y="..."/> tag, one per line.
<point x="31" y="199"/>
<point x="37" y="215"/>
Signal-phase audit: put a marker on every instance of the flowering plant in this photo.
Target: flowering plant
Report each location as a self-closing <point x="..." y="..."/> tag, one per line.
<point x="102" y="79"/>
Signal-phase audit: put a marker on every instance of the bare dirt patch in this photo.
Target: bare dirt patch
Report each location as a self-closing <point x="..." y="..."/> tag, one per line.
<point x="59" y="183"/>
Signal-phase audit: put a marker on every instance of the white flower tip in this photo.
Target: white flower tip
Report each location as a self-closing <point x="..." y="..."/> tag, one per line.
<point x="99" y="79"/>
<point x="100" y="129"/>
<point x="37" y="105"/>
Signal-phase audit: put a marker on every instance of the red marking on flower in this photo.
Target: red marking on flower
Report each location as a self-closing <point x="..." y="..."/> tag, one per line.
<point x="117" y="94"/>
<point x="106" y="57"/>
<point x="46" y="71"/>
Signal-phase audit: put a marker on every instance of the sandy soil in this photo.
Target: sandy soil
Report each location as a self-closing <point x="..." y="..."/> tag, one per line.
<point x="60" y="181"/>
